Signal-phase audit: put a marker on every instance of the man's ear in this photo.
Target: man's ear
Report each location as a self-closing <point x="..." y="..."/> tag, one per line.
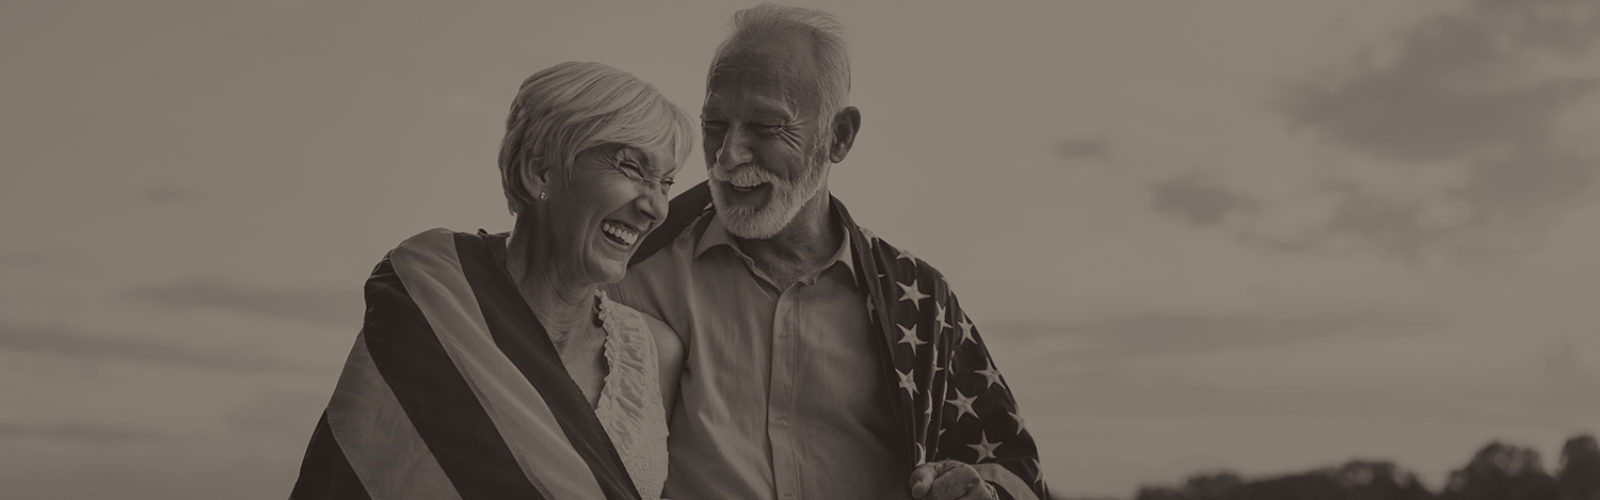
<point x="843" y="133"/>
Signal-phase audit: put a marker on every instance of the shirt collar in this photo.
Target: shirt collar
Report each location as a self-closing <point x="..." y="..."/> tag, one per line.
<point x="714" y="234"/>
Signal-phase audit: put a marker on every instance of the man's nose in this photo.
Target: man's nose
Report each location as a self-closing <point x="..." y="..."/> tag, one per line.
<point x="735" y="148"/>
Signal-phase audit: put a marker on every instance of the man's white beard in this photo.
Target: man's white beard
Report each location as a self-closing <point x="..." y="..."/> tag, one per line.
<point x="784" y="203"/>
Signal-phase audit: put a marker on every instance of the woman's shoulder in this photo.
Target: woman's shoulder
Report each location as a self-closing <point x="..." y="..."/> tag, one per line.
<point x="434" y="253"/>
<point x="437" y="245"/>
<point x="436" y="241"/>
<point x="625" y="317"/>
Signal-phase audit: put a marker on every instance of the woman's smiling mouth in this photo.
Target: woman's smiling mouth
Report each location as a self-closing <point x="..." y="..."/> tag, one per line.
<point x="619" y="233"/>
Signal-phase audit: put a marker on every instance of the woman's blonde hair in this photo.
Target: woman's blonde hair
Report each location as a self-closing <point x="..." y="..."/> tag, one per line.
<point x="567" y="108"/>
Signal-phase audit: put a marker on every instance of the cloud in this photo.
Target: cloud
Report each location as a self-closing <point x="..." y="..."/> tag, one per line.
<point x="1570" y="372"/>
<point x="1092" y="148"/>
<point x="1198" y="200"/>
<point x="1124" y="395"/>
<point x="319" y="305"/>
<point x="1455" y="84"/>
<point x="77" y="344"/>
<point x="1462" y="136"/>
<point x="1482" y="93"/>
<point x="83" y="433"/>
<point x="1158" y="334"/>
<point x="1405" y="228"/>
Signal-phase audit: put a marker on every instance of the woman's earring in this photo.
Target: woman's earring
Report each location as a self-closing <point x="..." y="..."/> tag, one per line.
<point x="543" y="195"/>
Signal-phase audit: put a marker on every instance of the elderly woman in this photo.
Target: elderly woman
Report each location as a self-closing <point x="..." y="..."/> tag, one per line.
<point x="492" y="365"/>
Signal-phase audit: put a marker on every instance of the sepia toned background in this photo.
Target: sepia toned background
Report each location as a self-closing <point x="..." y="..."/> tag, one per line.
<point x="1261" y="235"/>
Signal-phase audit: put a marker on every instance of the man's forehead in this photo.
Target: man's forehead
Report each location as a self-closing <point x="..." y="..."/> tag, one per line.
<point x="759" y="83"/>
<point x="751" y="73"/>
<point x="770" y="61"/>
<point x="751" y="97"/>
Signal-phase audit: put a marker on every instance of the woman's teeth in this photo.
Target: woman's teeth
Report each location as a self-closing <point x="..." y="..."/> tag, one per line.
<point x="619" y="234"/>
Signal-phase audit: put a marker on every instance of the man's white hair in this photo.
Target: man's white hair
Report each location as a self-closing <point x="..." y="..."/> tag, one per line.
<point x="567" y="108"/>
<point x="772" y="21"/>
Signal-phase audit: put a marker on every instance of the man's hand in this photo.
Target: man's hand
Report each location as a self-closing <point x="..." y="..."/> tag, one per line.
<point x="949" y="480"/>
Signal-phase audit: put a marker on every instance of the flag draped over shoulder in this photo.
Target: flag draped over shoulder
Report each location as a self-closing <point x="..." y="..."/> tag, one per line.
<point x="453" y="390"/>
<point x="950" y="396"/>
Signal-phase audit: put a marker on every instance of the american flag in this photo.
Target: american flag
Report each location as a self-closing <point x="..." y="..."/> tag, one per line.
<point x="958" y="406"/>
<point x="453" y="390"/>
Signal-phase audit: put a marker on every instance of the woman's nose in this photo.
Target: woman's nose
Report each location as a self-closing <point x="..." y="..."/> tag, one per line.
<point x="653" y="204"/>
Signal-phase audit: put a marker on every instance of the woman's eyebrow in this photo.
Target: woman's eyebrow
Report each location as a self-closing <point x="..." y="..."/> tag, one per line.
<point x="646" y="161"/>
<point x="656" y="164"/>
<point x="626" y="153"/>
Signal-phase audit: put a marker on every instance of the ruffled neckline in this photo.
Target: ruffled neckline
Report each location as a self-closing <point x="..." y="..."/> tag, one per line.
<point x="630" y="395"/>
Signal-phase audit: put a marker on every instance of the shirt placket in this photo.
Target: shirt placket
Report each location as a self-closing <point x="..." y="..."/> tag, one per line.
<point x="781" y="399"/>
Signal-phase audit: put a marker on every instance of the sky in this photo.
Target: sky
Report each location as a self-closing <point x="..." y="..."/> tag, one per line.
<point x="1260" y="235"/>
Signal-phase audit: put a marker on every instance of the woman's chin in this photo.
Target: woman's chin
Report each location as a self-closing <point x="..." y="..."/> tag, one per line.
<point x="608" y="271"/>
<point x="607" y="260"/>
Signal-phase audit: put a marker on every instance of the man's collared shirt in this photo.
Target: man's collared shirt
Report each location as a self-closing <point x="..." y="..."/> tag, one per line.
<point x="783" y="393"/>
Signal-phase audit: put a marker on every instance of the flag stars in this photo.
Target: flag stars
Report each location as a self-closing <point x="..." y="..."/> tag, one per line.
<point x="963" y="404"/>
<point x="907" y="383"/>
<point x="909" y="336"/>
<point x="966" y="330"/>
<point x="903" y="254"/>
<point x="938" y="312"/>
<point x="1018" y="417"/>
<point x="910" y="292"/>
<point x="991" y="374"/>
<point x="984" y="448"/>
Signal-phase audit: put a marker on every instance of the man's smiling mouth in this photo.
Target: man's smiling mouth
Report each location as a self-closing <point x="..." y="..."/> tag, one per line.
<point x="746" y="188"/>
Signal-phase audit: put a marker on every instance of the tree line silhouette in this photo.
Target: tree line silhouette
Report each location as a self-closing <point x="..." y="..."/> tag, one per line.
<point x="1498" y="471"/>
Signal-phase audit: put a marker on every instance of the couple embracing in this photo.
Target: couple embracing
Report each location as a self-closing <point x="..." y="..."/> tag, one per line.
<point x="744" y="340"/>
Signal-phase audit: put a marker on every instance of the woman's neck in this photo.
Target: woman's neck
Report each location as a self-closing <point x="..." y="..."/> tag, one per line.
<point x="562" y="304"/>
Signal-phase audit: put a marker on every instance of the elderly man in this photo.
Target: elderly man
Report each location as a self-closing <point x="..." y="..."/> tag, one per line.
<point x="821" y="361"/>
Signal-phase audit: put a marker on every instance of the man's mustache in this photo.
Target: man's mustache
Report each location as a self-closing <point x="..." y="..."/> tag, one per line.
<point x="745" y="176"/>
